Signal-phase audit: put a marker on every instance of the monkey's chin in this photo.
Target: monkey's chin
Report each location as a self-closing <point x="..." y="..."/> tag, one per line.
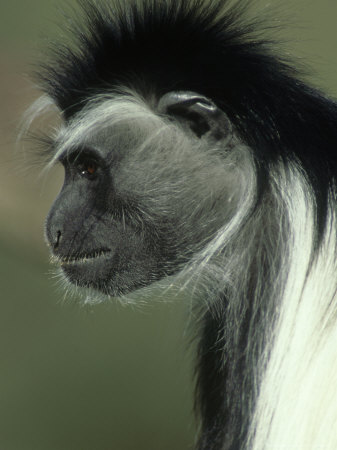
<point x="87" y="272"/>
<point x="91" y="282"/>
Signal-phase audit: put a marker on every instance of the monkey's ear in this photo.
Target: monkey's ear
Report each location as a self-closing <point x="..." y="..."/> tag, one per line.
<point x="197" y="112"/>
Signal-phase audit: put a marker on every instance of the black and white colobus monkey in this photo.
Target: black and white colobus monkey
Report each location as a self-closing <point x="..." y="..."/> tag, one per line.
<point x="195" y="157"/>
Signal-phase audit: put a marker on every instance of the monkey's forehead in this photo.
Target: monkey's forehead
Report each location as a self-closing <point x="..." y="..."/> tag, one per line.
<point x="111" y="118"/>
<point x="153" y="45"/>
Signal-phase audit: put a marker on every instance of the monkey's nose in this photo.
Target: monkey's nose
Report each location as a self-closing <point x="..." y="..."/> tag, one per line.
<point x="57" y="240"/>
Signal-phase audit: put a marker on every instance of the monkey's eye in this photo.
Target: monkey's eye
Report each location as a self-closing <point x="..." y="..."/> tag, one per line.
<point x="84" y="163"/>
<point x="87" y="167"/>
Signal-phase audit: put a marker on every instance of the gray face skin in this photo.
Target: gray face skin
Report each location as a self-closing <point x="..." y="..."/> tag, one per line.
<point x="144" y="190"/>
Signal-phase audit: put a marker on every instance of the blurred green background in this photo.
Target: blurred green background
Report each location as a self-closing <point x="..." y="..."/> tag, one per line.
<point x="105" y="377"/>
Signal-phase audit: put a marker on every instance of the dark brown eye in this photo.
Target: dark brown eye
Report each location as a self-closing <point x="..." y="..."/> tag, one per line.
<point x="88" y="168"/>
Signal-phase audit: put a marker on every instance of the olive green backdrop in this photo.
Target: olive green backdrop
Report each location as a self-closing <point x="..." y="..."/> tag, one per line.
<point x="106" y="377"/>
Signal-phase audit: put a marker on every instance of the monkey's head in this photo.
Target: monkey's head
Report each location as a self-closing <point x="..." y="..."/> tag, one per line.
<point x="154" y="168"/>
<point x="147" y="186"/>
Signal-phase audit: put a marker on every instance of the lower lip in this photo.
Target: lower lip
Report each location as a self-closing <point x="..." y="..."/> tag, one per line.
<point x="80" y="261"/>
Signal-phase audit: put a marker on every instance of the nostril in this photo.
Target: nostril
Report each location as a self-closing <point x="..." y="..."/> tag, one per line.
<point x="57" y="240"/>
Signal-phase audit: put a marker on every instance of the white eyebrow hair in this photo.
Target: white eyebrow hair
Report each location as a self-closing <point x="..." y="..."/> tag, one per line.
<point x="101" y="113"/>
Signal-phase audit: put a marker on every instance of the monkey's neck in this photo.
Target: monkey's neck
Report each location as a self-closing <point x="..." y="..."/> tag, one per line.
<point x="225" y="380"/>
<point x="232" y="350"/>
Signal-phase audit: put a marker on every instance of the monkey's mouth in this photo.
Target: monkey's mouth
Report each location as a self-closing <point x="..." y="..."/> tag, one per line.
<point x="80" y="258"/>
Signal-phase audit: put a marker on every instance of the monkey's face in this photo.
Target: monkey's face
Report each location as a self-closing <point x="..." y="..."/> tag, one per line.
<point x="142" y="195"/>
